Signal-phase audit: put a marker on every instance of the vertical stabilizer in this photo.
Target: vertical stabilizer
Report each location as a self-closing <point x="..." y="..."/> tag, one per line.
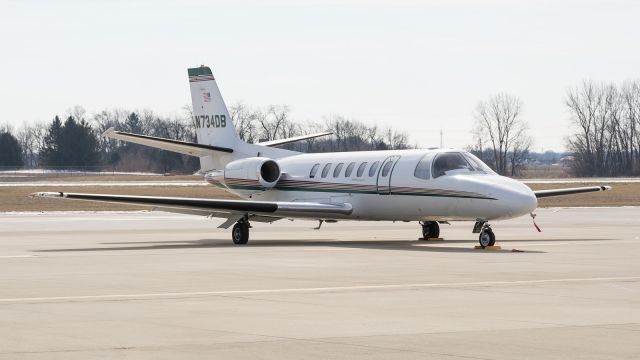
<point x="211" y="117"/>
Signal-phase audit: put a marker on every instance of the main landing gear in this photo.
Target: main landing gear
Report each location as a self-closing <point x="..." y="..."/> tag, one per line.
<point x="240" y="232"/>
<point x="430" y="230"/>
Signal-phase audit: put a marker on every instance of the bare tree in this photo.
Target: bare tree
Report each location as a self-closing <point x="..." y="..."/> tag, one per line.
<point x="30" y="137"/>
<point x="77" y="112"/>
<point x="518" y="155"/>
<point x="373" y="137"/>
<point x="606" y="117"/>
<point x="396" y="140"/>
<point x="311" y="127"/>
<point x="244" y="120"/>
<point x="499" y="121"/>
<point x="271" y="121"/>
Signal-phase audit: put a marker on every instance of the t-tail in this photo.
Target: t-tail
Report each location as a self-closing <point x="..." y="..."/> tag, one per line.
<point x="211" y="118"/>
<point x="217" y="140"/>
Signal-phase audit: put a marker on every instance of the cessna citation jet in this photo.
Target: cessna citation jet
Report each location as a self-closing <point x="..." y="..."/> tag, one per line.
<point x="428" y="186"/>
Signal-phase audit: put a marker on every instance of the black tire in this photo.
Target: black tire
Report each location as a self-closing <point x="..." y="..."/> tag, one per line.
<point x="240" y="233"/>
<point x="430" y="229"/>
<point x="487" y="238"/>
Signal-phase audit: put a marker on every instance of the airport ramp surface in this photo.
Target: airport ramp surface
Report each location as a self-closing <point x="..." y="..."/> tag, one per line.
<point x="160" y="286"/>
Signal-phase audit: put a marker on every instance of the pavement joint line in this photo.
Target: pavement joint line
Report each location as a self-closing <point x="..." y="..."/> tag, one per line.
<point x="308" y="290"/>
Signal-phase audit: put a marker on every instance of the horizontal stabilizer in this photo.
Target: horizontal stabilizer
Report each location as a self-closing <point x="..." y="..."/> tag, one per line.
<point x="293" y="139"/>
<point x="178" y="146"/>
<point x="264" y="208"/>
<point x="569" y="191"/>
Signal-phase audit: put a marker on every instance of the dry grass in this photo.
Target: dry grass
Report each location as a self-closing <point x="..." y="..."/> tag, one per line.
<point x="16" y="198"/>
<point x="545" y="172"/>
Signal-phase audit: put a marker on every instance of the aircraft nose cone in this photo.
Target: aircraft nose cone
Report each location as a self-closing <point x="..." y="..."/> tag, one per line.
<point x="519" y="199"/>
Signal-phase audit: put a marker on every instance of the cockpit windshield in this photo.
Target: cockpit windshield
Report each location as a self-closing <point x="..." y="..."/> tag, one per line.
<point x="478" y="164"/>
<point x="451" y="163"/>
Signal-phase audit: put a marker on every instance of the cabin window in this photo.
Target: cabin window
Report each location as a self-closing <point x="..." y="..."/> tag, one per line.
<point x="314" y="170"/>
<point x="387" y="167"/>
<point x="325" y="170"/>
<point x="449" y="163"/>
<point x="374" y="167"/>
<point x="336" y="172"/>
<point x="361" y="169"/>
<point x="423" y="169"/>
<point x="349" y="170"/>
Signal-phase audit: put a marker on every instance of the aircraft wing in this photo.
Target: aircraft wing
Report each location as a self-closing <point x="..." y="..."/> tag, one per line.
<point x="569" y="191"/>
<point x="293" y="139"/>
<point x="219" y="207"/>
<point x="178" y="146"/>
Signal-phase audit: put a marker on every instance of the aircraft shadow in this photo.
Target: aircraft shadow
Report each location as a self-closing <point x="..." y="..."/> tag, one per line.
<point x="394" y="245"/>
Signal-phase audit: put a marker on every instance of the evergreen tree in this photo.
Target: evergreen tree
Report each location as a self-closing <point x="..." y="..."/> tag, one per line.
<point x="10" y="150"/>
<point x="133" y="124"/>
<point x="49" y="153"/>
<point x="71" y="144"/>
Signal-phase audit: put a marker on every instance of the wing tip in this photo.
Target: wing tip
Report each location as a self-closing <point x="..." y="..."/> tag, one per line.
<point x="108" y="132"/>
<point x="50" y="194"/>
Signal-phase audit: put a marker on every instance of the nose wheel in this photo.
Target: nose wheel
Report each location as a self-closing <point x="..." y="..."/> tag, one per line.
<point x="487" y="238"/>
<point x="240" y="232"/>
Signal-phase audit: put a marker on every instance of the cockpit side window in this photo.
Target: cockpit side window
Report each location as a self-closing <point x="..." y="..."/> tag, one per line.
<point x="423" y="169"/>
<point x="446" y="163"/>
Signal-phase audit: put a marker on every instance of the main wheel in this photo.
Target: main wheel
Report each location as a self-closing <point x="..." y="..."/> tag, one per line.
<point x="240" y="233"/>
<point x="430" y="229"/>
<point x="487" y="238"/>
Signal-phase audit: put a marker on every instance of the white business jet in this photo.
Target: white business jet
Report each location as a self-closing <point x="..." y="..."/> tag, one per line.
<point x="428" y="186"/>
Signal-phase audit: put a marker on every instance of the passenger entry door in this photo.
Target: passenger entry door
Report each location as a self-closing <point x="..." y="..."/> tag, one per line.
<point x="384" y="175"/>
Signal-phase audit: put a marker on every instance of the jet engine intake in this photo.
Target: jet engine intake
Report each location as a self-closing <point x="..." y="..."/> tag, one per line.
<point x="256" y="173"/>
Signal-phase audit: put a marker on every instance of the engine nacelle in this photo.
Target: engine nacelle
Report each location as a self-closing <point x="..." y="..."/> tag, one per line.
<point x="256" y="173"/>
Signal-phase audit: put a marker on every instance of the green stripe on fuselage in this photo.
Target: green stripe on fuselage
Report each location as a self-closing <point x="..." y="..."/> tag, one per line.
<point x="348" y="191"/>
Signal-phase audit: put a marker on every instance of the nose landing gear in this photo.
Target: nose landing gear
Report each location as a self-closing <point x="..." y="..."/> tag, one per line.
<point x="487" y="238"/>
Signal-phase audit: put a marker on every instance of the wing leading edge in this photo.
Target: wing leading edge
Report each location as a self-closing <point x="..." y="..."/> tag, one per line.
<point x="293" y="139"/>
<point x="217" y="207"/>
<point x="178" y="146"/>
<point x="569" y="191"/>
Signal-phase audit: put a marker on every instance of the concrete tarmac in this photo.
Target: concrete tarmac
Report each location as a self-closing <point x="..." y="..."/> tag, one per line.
<point x="164" y="286"/>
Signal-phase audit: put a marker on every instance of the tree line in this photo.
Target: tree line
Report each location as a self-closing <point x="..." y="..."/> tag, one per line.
<point x="75" y="142"/>
<point x="605" y="119"/>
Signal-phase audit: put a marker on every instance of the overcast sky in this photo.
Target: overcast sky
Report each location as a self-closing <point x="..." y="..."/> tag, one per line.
<point x="419" y="66"/>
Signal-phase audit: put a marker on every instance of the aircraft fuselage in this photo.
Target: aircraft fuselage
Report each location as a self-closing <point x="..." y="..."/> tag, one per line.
<point x="387" y="188"/>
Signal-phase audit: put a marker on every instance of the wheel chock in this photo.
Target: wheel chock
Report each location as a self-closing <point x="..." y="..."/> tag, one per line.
<point x="431" y="239"/>
<point x="495" y="247"/>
